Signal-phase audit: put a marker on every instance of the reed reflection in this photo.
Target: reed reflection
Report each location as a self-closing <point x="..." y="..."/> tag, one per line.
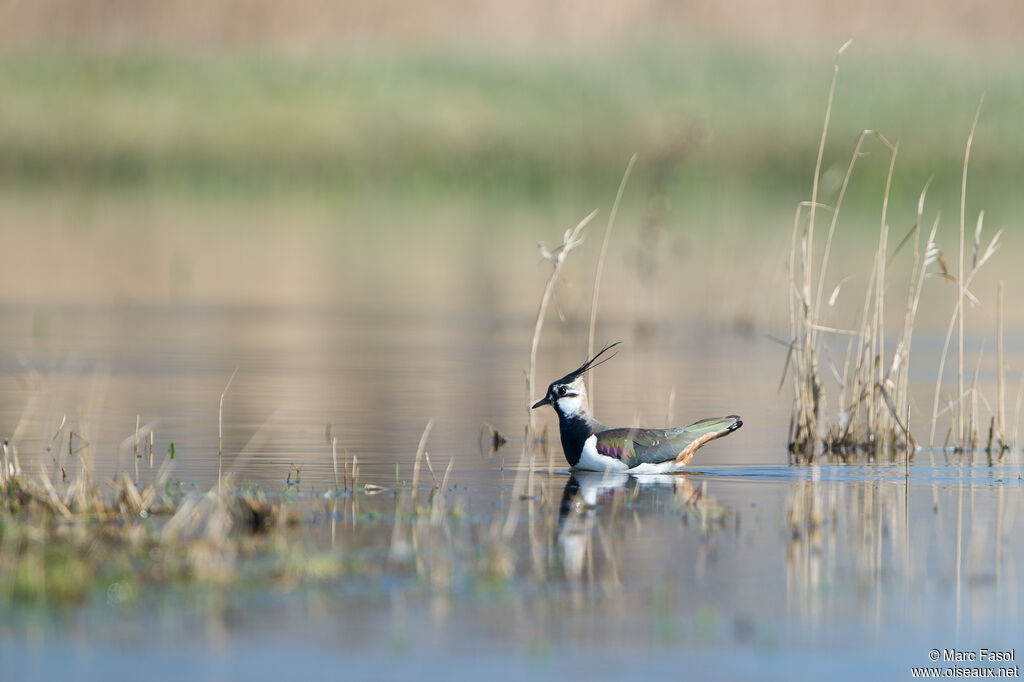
<point x="884" y="546"/>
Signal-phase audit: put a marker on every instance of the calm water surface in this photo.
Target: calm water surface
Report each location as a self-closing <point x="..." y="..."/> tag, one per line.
<point x="748" y="567"/>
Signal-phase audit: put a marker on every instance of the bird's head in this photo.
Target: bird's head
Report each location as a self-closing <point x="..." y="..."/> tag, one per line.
<point x="568" y="395"/>
<point x="569" y="398"/>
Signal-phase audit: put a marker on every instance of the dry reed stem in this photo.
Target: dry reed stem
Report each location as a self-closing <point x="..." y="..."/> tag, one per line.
<point x="960" y="264"/>
<point x="870" y="371"/>
<point x="972" y="424"/>
<point x="334" y="459"/>
<point x="880" y="287"/>
<point x="600" y="268"/>
<point x="220" y="432"/>
<point x="447" y="474"/>
<point x="815" y="185"/>
<point x="826" y="254"/>
<point x="871" y="344"/>
<point x="420" y="449"/>
<point x="963" y="291"/>
<point x="1000" y="378"/>
<point x="918" y="272"/>
<point x="805" y="376"/>
<point x="1016" y="409"/>
<point x="430" y="468"/>
<point x="571" y="240"/>
<point x="55" y="502"/>
<point x="344" y="465"/>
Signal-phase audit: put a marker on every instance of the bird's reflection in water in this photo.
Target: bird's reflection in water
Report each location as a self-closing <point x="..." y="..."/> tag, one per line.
<point x="587" y="491"/>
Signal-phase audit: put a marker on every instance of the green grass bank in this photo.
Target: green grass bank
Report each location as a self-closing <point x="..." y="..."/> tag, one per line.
<point x="711" y="124"/>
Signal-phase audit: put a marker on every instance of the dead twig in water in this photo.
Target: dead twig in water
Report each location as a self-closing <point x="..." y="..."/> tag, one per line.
<point x="220" y="432"/>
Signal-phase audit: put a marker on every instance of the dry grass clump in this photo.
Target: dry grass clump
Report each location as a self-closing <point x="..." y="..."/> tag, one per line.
<point x="60" y="542"/>
<point x="872" y="405"/>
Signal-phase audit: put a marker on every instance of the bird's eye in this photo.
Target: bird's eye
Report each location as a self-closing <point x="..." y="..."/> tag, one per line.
<point x="561" y="390"/>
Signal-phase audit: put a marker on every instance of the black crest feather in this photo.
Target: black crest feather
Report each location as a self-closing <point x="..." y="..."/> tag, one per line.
<point x="589" y="364"/>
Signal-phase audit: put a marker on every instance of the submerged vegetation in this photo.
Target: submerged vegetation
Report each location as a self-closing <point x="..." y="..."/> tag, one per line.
<point x="870" y="409"/>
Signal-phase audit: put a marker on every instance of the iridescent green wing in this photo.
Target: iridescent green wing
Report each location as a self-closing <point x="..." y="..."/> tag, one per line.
<point x="639" y="446"/>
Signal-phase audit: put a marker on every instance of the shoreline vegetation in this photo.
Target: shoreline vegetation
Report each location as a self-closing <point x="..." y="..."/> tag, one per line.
<point x="863" y="405"/>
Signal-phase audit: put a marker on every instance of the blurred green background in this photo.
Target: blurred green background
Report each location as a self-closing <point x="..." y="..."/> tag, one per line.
<point x="154" y="152"/>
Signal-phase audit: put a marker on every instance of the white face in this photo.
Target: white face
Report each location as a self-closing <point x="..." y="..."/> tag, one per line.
<point x="570" y="399"/>
<point x="569" y="405"/>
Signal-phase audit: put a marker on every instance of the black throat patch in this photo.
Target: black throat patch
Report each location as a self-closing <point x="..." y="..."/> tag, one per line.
<point x="574" y="431"/>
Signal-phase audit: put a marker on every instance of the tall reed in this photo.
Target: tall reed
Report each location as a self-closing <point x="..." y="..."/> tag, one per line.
<point x="571" y="240"/>
<point x="872" y="408"/>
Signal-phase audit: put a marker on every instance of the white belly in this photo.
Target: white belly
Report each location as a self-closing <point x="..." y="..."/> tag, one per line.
<point x="660" y="468"/>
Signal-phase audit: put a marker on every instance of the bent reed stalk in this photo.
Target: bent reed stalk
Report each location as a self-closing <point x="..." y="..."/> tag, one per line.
<point x="571" y="240"/>
<point x="872" y="396"/>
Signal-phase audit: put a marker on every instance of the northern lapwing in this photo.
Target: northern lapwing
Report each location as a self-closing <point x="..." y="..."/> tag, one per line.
<point x="590" y="445"/>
